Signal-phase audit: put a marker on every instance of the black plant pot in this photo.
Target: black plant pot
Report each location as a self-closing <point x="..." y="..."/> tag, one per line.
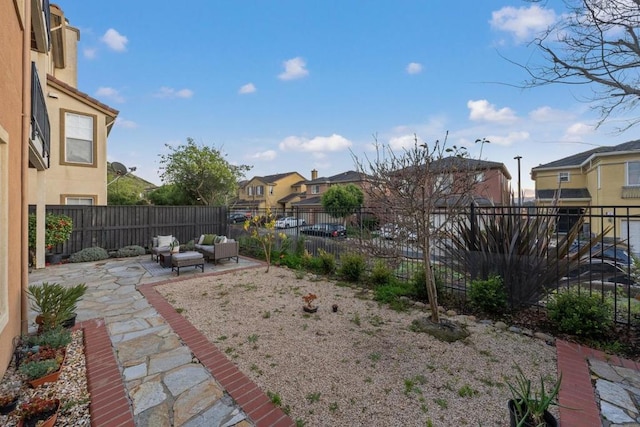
<point x="549" y="419"/>
<point x="9" y="408"/>
<point x="70" y="322"/>
<point x="310" y="309"/>
<point x="53" y="259"/>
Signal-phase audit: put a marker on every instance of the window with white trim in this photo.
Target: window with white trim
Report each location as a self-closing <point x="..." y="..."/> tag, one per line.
<point x="633" y="173"/>
<point x="563" y="177"/>
<point x="260" y="190"/>
<point x="79" y="138"/>
<point x="315" y="189"/>
<point x="249" y="191"/>
<point x="74" y="200"/>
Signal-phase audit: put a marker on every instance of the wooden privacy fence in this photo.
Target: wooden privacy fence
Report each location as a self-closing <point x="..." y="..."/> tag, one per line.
<point x="114" y="227"/>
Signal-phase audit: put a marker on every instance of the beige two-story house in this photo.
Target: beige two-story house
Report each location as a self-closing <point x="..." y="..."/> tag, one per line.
<point x="74" y="170"/>
<point x="607" y="177"/>
<point x="275" y="192"/>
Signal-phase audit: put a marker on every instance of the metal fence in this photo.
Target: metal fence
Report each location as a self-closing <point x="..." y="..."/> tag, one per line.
<point x="607" y="269"/>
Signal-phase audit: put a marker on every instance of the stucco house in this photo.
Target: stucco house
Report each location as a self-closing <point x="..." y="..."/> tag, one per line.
<point x="75" y="168"/>
<point x="276" y="192"/>
<point x="605" y="177"/>
<point x="24" y="144"/>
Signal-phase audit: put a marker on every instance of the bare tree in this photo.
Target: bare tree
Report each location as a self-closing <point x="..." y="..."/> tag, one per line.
<point x="420" y="189"/>
<point x="594" y="43"/>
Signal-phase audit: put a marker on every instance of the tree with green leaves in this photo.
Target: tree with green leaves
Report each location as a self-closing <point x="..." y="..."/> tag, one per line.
<point x="340" y="201"/>
<point x="202" y="173"/>
<point x="170" y="195"/>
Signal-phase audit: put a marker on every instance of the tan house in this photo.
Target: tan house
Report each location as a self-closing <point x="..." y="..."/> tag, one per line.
<point x="276" y="192"/>
<point x="604" y="176"/>
<point x="24" y="144"/>
<point x="78" y="125"/>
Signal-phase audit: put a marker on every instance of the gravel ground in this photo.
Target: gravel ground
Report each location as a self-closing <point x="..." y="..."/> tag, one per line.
<point x="361" y="366"/>
<point x="71" y="388"/>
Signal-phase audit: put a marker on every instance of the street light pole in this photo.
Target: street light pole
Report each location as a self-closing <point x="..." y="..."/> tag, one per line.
<point x="519" y="189"/>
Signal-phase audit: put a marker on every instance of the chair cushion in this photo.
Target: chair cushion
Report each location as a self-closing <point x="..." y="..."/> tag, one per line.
<point x="165" y="240"/>
<point x="187" y="255"/>
<point x="220" y="239"/>
<point x="199" y="242"/>
<point x="208" y="239"/>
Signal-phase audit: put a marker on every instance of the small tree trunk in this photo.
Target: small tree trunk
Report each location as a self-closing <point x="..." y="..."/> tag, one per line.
<point x="432" y="292"/>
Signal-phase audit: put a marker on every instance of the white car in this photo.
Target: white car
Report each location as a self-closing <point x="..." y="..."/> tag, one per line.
<point x="289" y="221"/>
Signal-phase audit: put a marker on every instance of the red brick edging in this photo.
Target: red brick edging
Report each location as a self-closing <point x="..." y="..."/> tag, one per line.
<point x="110" y="406"/>
<point x="243" y="390"/>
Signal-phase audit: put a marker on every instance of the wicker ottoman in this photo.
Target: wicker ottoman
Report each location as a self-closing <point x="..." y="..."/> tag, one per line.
<point x="187" y="259"/>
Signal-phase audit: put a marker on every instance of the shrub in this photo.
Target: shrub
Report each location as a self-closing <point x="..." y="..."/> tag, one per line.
<point x="327" y="262"/>
<point x="488" y="295"/>
<point x="189" y="246"/>
<point x="39" y="369"/>
<point x="299" y="248"/>
<point x="89" y="254"/>
<point x="55" y="338"/>
<point x="130" y="251"/>
<point x="381" y="274"/>
<point x="419" y="282"/>
<point x="390" y="294"/>
<point x="575" y="312"/>
<point x="353" y="267"/>
<point x="291" y="261"/>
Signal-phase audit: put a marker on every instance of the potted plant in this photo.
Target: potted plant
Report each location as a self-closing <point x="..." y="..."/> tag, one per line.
<point x="39" y="411"/>
<point x="529" y="408"/>
<point x="174" y="247"/>
<point x="8" y="403"/>
<point x="57" y="230"/>
<point x="40" y="372"/>
<point x="308" y="303"/>
<point x="55" y="303"/>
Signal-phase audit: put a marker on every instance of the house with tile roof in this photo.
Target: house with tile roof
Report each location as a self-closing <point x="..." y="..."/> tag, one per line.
<point x="276" y="192"/>
<point x="603" y="176"/>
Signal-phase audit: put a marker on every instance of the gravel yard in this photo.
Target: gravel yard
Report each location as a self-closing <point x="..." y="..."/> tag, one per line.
<point x="361" y="366"/>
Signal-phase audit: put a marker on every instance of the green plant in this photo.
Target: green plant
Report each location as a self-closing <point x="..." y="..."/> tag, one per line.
<point x="530" y="405"/>
<point x="327" y="262"/>
<point x="89" y="254"/>
<point x="381" y="274"/>
<point x="274" y="398"/>
<point x="352" y="267"/>
<point x="39" y="369"/>
<point x="313" y="397"/>
<point x="576" y="312"/>
<point x="54" y="302"/>
<point x="467" y="391"/>
<point x="57" y="230"/>
<point x="57" y="338"/>
<point x="488" y="295"/>
<point x="130" y="251"/>
<point x="266" y="237"/>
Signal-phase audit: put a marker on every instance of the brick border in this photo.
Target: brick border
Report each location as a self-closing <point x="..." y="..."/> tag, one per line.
<point x="110" y="406"/>
<point x="577" y="398"/>
<point x="253" y="401"/>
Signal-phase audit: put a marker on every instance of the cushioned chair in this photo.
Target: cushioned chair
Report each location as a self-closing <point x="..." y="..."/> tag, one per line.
<point x="162" y="244"/>
<point x="215" y="248"/>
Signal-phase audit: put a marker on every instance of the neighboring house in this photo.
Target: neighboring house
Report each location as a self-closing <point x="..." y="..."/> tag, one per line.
<point x="74" y="166"/>
<point x="276" y="192"/>
<point x="24" y="143"/>
<point x="604" y="176"/>
<point x="310" y="203"/>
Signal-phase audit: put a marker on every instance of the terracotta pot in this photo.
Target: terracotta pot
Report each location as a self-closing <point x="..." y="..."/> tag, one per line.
<point x="49" y="378"/>
<point x="32" y="422"/>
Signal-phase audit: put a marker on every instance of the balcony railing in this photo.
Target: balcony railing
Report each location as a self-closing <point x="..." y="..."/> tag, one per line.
<point x="40" y="128"/>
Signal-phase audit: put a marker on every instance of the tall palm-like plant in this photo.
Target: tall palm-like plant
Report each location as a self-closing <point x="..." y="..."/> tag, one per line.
<point x="523" y="250"/>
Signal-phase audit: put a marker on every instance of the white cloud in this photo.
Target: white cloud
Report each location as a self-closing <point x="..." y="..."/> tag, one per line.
<point x="115" y="40"/>
<point x="168" y="92"/>
<point x="548" y="114"/>
<point x="523" y="22"/>
<point x="90" y="53"/>
<point x="248" y="88"/>
<point x="319" y="144"/>
<point x="403" y="141"/>
<point x="414" y="68"/>
<point x="110" y="93"/>
<point x="508" y="139"/>
<point x="482" y="110"/>
<point x="576" y="131"/>
<point x="265" y="155"/>
<point x="125" y="124"/>
<point x="294" y="68"/>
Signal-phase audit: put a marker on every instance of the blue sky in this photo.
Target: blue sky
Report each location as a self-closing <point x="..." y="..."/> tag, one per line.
<point x="299" y="85"/>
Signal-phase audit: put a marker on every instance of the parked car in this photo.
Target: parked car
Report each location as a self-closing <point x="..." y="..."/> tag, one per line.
<point x="237" y="217"/>
<point x="392" y="231"/>
<point x="325" y="230"/>
<point x="290" y="221"/>
<point x="602" y="270"/>
<point x="616" y="253"/>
